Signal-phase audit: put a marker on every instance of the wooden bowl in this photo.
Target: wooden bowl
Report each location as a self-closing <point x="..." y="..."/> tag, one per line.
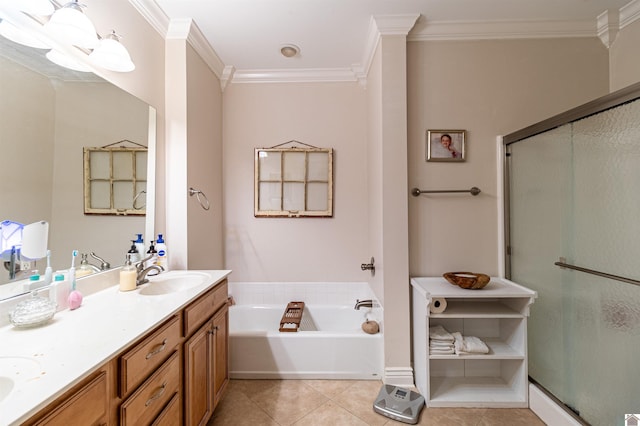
<point x="467" y="280"/>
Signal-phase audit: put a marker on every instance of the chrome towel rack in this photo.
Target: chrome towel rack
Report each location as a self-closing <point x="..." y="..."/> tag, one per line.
<point x="562" y="264"/>
<point x="415" y="191"/>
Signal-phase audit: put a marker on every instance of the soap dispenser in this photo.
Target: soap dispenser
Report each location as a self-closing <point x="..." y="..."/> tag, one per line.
<point x="128" y="275"/>
<point x="133" y="252"/>
<point x="152" y="254"/>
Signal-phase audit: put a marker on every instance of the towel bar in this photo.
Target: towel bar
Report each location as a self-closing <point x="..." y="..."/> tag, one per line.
<point x="415" y="191"/>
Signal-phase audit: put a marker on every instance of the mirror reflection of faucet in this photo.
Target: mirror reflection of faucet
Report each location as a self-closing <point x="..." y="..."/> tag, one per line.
<point x="85" y="267"/>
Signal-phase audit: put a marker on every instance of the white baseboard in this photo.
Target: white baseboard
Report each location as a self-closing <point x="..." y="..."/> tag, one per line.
<point x="548" y="410"/>
<point x="399" y="376"/>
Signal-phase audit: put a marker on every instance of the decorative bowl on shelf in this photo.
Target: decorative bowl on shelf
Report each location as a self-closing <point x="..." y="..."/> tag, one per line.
<point x="467" y="280"/>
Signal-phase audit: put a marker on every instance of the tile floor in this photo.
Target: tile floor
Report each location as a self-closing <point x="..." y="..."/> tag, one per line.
<point x="325" y="402"/>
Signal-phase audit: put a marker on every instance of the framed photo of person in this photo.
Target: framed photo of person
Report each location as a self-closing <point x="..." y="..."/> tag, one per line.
<point x="446" y="145"/>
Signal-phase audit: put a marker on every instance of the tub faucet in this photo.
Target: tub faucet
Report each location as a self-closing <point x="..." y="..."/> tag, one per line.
<point x="363" y="304"/>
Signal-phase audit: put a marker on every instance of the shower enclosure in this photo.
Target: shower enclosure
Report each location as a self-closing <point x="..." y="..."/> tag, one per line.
<point x="572" y="219"/>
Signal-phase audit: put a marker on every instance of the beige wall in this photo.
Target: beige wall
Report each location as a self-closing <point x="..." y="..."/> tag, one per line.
<point x="105" y="116"/>
<point x="488" y="88"/>
<point x="147" y="81"/>
<point x="624" y="59"/>
<point x="204" y="164"/>
<point x="328" y="115"/>
<point x="27" y="124"/>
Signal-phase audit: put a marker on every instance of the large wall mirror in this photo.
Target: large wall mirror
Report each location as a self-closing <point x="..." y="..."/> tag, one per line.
<point x="47" y="116"/>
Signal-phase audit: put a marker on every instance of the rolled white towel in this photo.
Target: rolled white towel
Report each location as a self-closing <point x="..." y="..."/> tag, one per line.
<point x="438" y="332"/>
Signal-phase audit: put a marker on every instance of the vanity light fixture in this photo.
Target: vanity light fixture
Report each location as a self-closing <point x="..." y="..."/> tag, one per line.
<point x="68" y="32"/>
<point x="36" y="7"/>
<point x="69" y="23"/>
<point x="111" y="54"/>
<point x="289" y="50"/>
<point x="15" y="34"/>
<point x="66" y="61"/>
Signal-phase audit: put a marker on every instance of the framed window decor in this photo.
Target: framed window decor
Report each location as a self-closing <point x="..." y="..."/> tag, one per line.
<point x="115" y="180"/>
<point x="446" y="145"/>
<point x="293" y="182"/>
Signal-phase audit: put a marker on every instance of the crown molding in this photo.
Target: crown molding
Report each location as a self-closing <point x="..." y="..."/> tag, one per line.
<point x="490" y="30"/>
<point x="313" y="75"/>
<point x="629" y="13"/>
<point x="608" y="23"/>
<point x="394" y="24"/>
<point x="155" y="16"/>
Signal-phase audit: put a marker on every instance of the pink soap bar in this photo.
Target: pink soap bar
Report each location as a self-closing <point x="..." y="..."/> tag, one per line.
<point x="75" y="299"/>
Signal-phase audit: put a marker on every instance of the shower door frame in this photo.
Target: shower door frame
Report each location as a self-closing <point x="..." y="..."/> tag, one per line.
<point x="612" y="100"/>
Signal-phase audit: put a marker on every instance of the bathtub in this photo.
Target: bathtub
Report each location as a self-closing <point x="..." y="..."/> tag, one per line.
<point x="329" y="345"/>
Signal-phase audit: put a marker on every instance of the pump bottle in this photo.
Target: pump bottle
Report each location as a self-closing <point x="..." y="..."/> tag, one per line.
<point x="162" y="259"/>
<point x="128" y="275"/>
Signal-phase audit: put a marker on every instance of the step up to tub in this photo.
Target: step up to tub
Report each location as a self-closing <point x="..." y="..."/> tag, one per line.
<point x="292" y="316"/>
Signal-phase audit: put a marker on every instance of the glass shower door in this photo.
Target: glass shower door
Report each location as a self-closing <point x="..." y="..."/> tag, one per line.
<point x="575" y="194"/>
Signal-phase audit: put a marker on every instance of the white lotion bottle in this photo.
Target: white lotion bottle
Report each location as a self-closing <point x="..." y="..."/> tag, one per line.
<point x="162" y="258"/>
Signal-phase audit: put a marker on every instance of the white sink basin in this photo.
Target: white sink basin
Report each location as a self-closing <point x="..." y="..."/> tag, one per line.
<point x="172" y="282"/>
<point x="14" y="370"/>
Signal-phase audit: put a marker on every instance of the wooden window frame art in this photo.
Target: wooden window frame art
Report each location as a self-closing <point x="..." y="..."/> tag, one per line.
<point x="293" y="182"/>
<point x="111" y="187"/>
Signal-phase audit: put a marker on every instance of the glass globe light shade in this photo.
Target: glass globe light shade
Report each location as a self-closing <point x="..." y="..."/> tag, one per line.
<point x="112" y="55"/>
<point x="70" y="24"/>
<point x="15" y="34"/>
<point x="36" y="7"/>
<point x="65" y="61"/>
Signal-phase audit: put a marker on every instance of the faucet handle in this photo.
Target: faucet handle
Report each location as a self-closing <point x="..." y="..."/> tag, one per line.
<point x="104" y="265"/>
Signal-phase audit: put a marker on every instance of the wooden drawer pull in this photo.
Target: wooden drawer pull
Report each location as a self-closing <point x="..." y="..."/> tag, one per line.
<point x="159" y="349"/>
<point x="157" y="395"/>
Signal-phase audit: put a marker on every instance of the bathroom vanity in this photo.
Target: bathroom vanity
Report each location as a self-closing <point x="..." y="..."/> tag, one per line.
<point x="497" y="314"/>
<point x="155" y="355"/>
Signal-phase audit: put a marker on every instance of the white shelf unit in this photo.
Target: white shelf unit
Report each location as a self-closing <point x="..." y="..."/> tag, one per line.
<point x="497" y="314"/>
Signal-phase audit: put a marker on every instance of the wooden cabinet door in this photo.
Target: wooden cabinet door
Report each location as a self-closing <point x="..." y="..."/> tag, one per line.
<point x="220" y="357"/>
<point x="198" y="376"/>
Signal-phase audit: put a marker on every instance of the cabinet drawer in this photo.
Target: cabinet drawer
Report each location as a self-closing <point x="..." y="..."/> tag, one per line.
<point x="87" y="406"/>
<point x="202" y="309"/>
<point x="171" y="415"/>
<point x="147" y="402"/>
<point x="137" y="363"/>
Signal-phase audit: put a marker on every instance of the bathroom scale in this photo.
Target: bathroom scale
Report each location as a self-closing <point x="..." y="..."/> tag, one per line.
<point x="399" y="404"/>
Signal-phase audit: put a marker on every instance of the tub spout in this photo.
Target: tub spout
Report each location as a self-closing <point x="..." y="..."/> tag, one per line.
<point x="363" y="304"/>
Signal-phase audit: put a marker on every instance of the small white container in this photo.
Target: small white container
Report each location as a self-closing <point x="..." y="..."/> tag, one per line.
<point x="59" y="292"/>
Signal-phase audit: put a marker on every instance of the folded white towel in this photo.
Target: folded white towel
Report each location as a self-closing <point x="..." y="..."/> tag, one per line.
<point x="440" y="344"/>
<point x="442" y="351"/>
<point x="438" y="332"/>
<point x="469" y="345"/>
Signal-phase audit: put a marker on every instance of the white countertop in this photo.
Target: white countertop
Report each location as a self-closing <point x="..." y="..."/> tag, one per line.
<point x="61" y="353"/>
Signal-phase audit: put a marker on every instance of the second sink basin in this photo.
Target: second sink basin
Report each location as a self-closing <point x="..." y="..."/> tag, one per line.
<point x="15" y="370"/>
<point x="172" y="282"/>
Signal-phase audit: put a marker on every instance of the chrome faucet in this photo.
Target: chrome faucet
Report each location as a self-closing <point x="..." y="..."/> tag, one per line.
<point x="363" y="304"/>
<point x="104" y="265"/>
<point x="141" y="277"/>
